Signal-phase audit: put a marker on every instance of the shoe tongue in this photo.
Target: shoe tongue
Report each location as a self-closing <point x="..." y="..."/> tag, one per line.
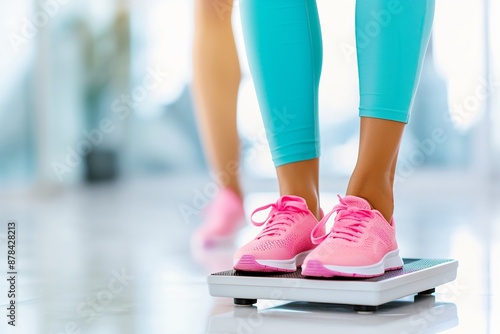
<point x="357" y="202"/>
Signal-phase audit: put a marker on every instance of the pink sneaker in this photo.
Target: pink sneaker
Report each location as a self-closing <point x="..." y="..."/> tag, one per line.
<point x="285" y="240"/>
<point x="224" y="217"/>
<point x="360" y="244"/>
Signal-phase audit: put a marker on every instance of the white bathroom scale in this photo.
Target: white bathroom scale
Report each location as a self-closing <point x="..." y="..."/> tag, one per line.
<point x="418" y="276"/>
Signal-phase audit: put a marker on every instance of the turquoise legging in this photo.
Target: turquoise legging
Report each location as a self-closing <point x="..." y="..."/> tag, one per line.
<point x="284" y="47"/>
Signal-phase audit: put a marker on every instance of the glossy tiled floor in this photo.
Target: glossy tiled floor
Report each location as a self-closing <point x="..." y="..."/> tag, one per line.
<point x="117" y="259"/>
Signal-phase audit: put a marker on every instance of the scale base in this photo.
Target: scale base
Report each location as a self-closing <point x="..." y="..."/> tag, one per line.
<point x="417" y="277"/>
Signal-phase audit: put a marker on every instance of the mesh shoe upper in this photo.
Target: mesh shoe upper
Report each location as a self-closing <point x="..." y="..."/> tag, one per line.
<point x="360" y="236"/>
<point x="286" y="233"/>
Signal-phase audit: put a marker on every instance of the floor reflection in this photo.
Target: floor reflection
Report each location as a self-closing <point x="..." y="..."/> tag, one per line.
<point x="423" y="315"/>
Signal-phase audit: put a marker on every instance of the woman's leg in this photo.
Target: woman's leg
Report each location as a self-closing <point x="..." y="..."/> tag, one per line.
<point x="392" y="38"/>
<point x="301" y="179"/>
<point x="283" y="41"/>
<point x="216" y="78"/>
<point x="373" y="176"/>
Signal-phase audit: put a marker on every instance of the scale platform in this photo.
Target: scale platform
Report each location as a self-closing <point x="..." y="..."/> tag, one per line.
<point x="418" y="276"/>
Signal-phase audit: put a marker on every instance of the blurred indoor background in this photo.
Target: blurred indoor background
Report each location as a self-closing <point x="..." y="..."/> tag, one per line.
<point x="67" y="66"/>
<point x="99" y="147"/>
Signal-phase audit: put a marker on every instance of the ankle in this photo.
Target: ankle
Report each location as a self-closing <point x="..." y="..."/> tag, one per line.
<point x="301" y="179"/>
<point x="234" y="188"/>
<point x="314" y="208"/>
<point x="378" y="193"/>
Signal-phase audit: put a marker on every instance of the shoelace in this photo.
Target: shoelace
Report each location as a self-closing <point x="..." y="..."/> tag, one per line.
<point x="279" y="217"/>
<point x="349" y="223"/>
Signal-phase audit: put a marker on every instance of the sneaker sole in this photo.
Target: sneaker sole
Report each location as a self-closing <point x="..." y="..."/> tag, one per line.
<point x="249" y="263"/>
<point x="391" y="261"/>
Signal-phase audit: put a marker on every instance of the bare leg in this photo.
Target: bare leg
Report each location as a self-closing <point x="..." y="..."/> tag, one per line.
<point x="216" y="79"/>
<point x="284" y="48"/>
<point x="373" y="176"/>
<point x="389" y="67"/>
<point x="301" y="179"/>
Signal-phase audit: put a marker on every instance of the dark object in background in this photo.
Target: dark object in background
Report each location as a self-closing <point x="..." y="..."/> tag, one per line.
<point x="101" y="165"/>
<point x="107" y="69"/>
